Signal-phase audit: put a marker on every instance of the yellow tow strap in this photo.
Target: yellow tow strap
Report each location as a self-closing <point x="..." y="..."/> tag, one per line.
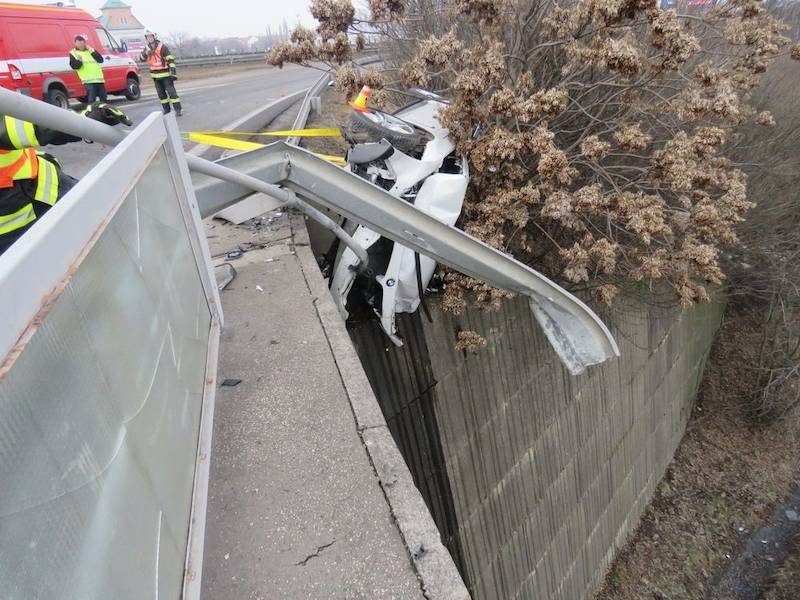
<point x="324" y="132"/>
<point x="220" y="141"/>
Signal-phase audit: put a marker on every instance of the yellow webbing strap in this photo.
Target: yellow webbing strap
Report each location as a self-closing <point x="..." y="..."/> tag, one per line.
<point x="324" y="132"/>
<point x="219" y="141"/>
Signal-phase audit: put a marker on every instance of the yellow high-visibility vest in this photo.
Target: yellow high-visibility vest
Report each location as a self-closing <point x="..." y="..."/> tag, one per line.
<point x="18" y="162"/>
<point x="90" y="71"/>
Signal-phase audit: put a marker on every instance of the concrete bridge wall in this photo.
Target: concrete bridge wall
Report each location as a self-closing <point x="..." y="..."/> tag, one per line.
<point x="534" y="477"/>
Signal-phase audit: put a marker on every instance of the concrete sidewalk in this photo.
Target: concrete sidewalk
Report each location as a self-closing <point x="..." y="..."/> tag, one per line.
<point x="295" y="509"/>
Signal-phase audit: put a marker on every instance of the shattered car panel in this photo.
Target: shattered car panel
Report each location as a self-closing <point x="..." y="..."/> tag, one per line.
<point x="435" y="181"/>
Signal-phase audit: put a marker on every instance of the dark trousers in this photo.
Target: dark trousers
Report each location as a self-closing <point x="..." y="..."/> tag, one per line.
<point x="165" y="88"/>
<point x="95" y="91"/>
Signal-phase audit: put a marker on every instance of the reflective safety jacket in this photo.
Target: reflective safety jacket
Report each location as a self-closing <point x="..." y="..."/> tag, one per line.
<point x="87" y="64"/>
<point x="27" y="178"/>
<point x="159" y="59"/>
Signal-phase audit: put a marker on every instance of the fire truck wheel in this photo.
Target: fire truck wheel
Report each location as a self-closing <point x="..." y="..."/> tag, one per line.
<point x="58" y="98"/>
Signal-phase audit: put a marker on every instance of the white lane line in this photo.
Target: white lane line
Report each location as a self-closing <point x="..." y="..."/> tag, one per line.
<point x="199" y="149"/>
<point x="181" y="92"/>
<point x="154" y="96"/>
<point x="158" y="548"/>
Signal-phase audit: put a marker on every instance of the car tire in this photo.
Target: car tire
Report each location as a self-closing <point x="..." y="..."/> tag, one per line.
<point x="57" y="97"/>
<point x="132" y="90"/>
<point x="403" y="136"/>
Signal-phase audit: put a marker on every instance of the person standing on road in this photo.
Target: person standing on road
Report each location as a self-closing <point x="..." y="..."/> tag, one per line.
<point x="163" y="72"/>
<point x="32" y="182"/>
<point x="86" y="61"/>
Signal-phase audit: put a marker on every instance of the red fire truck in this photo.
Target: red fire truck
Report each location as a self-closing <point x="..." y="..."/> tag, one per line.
<point x="34" y="53"/>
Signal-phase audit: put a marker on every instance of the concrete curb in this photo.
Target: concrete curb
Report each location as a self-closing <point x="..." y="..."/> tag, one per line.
<point x="438" y="575"/>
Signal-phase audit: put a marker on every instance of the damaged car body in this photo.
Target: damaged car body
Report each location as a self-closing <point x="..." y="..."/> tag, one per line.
<point x="410" y="155"/>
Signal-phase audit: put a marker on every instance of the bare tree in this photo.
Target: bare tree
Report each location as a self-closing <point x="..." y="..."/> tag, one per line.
<point x="178" y="42"/>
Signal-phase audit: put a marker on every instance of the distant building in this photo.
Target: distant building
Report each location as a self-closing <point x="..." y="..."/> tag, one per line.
<point x="120" y="21"/>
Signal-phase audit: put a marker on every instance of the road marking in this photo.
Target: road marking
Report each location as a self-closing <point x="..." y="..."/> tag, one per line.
<point x="183" y="92"/>
<point x="199" y="149"/>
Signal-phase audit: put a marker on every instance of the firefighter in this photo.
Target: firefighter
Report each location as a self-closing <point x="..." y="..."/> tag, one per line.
<point x="163" y="72"/>
<point x="31" y="182"/>
<point x="86" y="61"/>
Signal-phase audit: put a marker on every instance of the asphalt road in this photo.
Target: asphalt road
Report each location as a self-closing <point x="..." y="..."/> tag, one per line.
<point x="209" y="104"/>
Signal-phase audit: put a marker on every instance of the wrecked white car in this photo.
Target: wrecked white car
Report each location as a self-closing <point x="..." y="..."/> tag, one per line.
<point x="411" y="157"/>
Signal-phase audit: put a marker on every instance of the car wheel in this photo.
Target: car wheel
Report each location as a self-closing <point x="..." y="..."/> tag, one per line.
<point x="380" y="125"/>
<point x="132" y="90"/>
<point x="58" y="98"/>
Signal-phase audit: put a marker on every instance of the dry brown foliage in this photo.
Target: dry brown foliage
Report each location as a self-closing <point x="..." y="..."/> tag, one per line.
<point x="764" y="269"/>
<point x="470" y="341"/>
<point x="602" y="125"/>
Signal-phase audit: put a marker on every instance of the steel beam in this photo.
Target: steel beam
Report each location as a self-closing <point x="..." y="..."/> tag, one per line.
<point x="46" y="115"/>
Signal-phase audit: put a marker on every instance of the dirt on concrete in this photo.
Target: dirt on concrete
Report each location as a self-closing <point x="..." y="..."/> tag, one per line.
<point x="727" y="476"/>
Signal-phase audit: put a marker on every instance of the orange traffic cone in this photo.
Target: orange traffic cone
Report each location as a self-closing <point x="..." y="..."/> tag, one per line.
<point x="360" y="103"/>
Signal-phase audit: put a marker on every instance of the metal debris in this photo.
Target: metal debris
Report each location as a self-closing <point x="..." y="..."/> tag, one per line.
<point x="224" y="274"/>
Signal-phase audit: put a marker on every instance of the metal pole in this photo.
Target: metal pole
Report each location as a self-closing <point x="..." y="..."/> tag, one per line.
<point x="47" y="115"/>
<point x="331" y="225"/>
<point x="52" y="117"/>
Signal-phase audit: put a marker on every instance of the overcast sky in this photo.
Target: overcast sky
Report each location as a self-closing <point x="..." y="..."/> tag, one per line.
<point x="203" y="18"/>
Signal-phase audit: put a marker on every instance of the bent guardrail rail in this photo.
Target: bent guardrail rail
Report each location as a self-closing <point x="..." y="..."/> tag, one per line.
<point x="109" y="353"/>
<point x="576" y="333"/>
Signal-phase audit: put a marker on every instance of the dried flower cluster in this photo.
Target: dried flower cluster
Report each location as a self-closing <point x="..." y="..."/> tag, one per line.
<point x="349" y="80"/>
<point x="601" y="159"/>
<point x="470" y="341"/>
<point x="386" y="9"/>
<point x="335" y="42"/>
<point x="602" y="155"/>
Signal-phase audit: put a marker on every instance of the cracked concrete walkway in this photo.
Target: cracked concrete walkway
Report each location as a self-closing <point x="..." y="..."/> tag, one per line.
<point x="295" y="508"/>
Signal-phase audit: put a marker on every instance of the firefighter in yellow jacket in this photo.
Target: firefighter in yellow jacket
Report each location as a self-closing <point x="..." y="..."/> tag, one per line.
<point x="163" y="71"/>
<point x="32" y="182"/>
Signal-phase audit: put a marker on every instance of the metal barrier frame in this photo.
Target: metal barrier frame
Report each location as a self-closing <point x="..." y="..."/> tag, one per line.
<point x="40" y="264"/>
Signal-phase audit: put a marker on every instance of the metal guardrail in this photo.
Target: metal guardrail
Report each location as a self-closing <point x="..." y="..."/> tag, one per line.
<point x="305" y="108"/>
<point x="314" y="92"/>
<point x="234" y="59"/>
<point x="577" y="334"/>
<point x="222" y="59"/>
<point x="257" y="119"/>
